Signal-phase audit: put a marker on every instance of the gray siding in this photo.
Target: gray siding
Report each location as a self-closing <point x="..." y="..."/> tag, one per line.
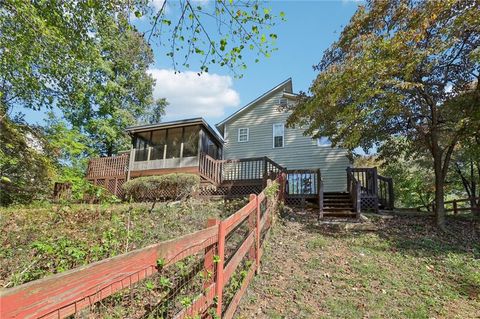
<point x="299" y="151"/>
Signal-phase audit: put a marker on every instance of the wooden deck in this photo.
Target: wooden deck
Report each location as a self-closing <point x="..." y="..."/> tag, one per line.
<point x="242" y="177"/>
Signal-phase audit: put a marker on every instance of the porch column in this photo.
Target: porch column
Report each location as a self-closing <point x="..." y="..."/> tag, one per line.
<point x="130" y="162"/>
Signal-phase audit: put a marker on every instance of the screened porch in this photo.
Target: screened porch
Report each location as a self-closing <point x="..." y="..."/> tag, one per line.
<point x="172" y="146"/>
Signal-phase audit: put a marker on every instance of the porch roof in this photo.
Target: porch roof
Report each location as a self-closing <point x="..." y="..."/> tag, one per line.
<point x="172" y="124"/>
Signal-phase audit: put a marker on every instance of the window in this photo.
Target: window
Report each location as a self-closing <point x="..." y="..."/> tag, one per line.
<point x="282" y="102"/>
<point x="278" y="135"/>
<point x="243" y="135"/>
<point x="323" y="141"/>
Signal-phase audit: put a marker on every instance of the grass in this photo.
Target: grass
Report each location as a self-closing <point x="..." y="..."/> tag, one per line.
<point x="44" y="239"/>
<point x="406" y="269"/>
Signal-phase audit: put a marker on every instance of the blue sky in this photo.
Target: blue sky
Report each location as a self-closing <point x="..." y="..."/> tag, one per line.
<point x="311" y="27"/>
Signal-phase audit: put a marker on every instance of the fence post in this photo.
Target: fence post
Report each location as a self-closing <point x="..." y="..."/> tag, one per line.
<point x="208" y="263"/>
<point x="221" y="256"/>
<point x="252" y="220"/>
<point x="257" y="235"/>
<point x="455" y="211"/>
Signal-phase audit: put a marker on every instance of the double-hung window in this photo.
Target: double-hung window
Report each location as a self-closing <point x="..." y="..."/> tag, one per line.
<point x="278" y="135"/>
<point x="243" y="135"/>
<point x="323" y="141"/>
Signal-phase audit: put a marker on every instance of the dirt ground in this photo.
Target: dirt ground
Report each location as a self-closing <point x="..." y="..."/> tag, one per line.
<point x="404" y="269"/>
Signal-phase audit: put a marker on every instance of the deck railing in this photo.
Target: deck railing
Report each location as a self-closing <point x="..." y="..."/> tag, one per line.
<point x="115" y="166"/>
<point x="253" y="169"/>
<point x="214" y="264"/>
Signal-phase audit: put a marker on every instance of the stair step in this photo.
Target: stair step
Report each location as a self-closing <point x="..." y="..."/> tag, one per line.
<point x="337" y="209"/>
<point x="336" y="196"/>
<point x="346" y="206"/>
<point x="339" y="214"/>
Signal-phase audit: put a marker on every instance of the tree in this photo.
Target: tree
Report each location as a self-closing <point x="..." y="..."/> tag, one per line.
<point x="71" y="153"/>
<point x="394" y="72"/>
<point x="87" y="59"/>
<point x="48" y="47"/>
<point x="120" y="89"/>
<point x="155" y="113"/>
<point x="26" y="163"/>
<point x="467" y="170"/>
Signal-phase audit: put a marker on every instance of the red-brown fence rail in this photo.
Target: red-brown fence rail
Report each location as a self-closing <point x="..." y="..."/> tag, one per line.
<point x="227" y="249"/>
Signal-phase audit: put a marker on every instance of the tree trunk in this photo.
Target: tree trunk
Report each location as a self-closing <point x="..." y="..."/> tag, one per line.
<point x="439" y="191"/>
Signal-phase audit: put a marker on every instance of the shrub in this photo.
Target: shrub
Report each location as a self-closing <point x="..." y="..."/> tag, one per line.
<point x="153" y="188"/>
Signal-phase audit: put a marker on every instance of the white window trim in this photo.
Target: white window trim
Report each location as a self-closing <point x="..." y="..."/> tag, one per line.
<point x="273" y="135"/>
<point x="322" y="145"/>
<point x="280" y="102"/>
<point x="248" y="134"/>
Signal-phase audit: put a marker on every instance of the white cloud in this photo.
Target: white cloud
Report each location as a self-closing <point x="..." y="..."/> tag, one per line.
<point x="157" y="4"/>
<point x="191" y="95"/>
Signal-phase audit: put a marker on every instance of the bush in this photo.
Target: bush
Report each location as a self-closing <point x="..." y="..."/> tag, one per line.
<point x="153" y="188"/>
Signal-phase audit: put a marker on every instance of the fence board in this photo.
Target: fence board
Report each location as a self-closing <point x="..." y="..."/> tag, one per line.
<point x="68" y="292"/>
<point x="64" y="294"/>
<point x="238" y="296"/>
<point x="238" y="256"/>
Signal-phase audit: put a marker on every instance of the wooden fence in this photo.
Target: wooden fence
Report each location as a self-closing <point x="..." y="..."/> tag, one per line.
<point x="458" y="205"/>
<point x="67" y="293"/>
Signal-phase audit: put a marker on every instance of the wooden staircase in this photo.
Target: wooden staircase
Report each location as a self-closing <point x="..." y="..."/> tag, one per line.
<point x="337" y="204"/>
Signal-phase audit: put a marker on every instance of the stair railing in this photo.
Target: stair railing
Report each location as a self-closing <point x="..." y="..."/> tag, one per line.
<point x="355" y="191"/>
<point x="320" y="194"/>
<point x="385" y="192"/>
<point x="210" y="168"/>
<point x="374" y="188"/>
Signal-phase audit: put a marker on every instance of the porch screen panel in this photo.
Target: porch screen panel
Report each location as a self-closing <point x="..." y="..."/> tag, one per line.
<point x="190" y="141"/>
<point x="159" y="139"/>
<point x="141" y="142"/>
<point x="174" y="141"/>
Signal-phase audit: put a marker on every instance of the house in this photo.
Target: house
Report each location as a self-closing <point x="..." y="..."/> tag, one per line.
<point x="258" y="129"/>
<point x="253" y="144"/>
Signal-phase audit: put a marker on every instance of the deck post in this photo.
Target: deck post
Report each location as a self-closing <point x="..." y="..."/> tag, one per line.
<point x="391" y="194"/>
<point x="320" y="194"/>
<point x="375" y="187"/>
<point x="455" y="211"/>
<point x="349" y="179"/>
<point x="131" y="159"/>
<point x="265" y="171"/>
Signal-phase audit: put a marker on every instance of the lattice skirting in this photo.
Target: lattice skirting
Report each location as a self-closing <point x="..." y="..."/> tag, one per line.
<point x="230" y="191"/>
<point x="369" y="203"/>
<point x="112" y="184"/>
